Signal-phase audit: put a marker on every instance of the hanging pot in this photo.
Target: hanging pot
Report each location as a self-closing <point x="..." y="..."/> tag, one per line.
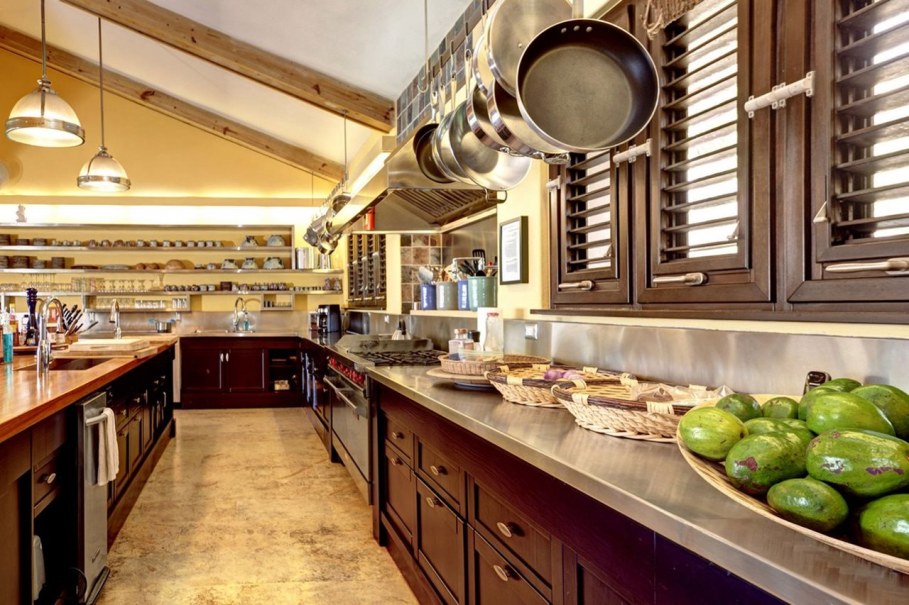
<point x="586" y="85"/>
<point x="509" y="125"/>
<point x="511" y="27"/>
<point x="422" y="145"/>
<point x="477" y="111"/>
<point x="488" y="168"/>
<point x="442" y="152"/>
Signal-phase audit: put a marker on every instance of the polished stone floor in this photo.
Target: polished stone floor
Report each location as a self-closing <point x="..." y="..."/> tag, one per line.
<point x="244" y="508"/>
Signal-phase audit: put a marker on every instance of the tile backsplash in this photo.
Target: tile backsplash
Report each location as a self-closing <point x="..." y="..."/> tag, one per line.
<point x="421" y="250"/>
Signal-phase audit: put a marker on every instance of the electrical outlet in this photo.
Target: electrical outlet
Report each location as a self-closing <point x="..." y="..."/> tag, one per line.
<point x="531" y="331"/>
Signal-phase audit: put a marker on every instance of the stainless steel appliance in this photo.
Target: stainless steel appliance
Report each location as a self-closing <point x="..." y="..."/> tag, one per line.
<point x="91" y="498"/>
<point x="329" y="319"/>
<point x="348" y="389"/>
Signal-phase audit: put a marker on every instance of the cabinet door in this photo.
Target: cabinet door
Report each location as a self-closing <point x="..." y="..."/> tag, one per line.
<point x="706" y="212"/>
<point x="123" y="453"/>
<point x="200" y="369"/>
<point x="15" y="520"/>
<point x="400" y="494"/>
<point x="440" y="544"/>
<point x="245" y="370"/>
<point x="585" y="584"/>
<point x="134" y="442"/>
<point x="495" y="581"/>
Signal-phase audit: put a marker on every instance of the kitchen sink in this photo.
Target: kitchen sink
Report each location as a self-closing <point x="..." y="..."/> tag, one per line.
<point x="70" y="365"/>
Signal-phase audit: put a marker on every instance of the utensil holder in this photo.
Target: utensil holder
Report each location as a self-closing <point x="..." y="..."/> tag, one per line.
<point x="463" y="295"/>
<point x="427" y="297"/>
<point x="482" y="291"/>
<point x="447" y="295"/>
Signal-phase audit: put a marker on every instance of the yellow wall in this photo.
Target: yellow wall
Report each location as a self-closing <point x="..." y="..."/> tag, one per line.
<point x="163" y="157"/>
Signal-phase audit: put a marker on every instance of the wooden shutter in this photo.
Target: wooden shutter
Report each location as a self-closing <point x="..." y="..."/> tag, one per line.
<point x="859" y="212"/>
<point x="708" y="206"/>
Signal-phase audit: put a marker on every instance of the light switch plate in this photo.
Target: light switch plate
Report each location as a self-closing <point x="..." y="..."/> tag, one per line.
<point x="531" y="331"/>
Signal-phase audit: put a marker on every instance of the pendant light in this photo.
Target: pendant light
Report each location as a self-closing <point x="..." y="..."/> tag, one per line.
<point x="102" y="173"/>
<point x="41" y="117"/>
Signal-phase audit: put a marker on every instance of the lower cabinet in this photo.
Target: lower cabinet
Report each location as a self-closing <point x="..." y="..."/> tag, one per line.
<point x="470" y="523"/>
<point x="15" y="520"/>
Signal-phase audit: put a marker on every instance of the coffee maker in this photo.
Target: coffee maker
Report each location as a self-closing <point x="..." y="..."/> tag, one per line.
<point x="329" y="319"/>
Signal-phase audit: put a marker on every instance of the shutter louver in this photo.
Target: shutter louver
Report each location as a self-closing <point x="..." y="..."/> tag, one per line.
<point x="700" y="208"/>
<point x="870" y="200"/>
<point x="589" y="213"/>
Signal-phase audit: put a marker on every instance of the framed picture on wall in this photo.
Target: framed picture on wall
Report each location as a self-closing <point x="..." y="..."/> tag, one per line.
<point x="513" y="251"/>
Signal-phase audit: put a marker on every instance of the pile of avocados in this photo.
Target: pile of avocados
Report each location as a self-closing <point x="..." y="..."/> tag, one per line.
<point x="836" y="461"/>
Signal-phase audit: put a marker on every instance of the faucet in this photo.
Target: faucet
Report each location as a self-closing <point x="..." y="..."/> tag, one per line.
<point x="44" y="354"/>
<point x="115" y="318"/>
<point x="240" y="311"/>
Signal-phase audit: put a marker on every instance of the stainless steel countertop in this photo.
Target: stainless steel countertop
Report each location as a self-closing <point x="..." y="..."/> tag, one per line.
<point x="652" y="484"/>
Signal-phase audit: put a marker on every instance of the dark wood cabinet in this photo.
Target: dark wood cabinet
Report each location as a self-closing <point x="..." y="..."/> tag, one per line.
<point x="15" y="521"/>
<point x="240" y="372"/>
<point x="366" y="279"/>
<point x="495" y="580"/>
<point x="440" y="542"/>
<point x="400" y="493"/>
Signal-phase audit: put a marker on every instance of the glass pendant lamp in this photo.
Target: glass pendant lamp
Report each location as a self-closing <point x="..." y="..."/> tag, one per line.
<point x="102" y="172"/>
<point x="41" y="117"/>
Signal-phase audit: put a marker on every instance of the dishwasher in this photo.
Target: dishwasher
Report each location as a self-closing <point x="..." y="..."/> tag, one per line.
<point x="91" y="498"/>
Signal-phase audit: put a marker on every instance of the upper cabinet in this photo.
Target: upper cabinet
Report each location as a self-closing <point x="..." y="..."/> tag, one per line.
<point x="796" y="210"/>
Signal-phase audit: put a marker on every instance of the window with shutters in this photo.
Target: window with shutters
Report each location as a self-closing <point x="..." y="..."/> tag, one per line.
<point x="587" y="205"/>
<point x="708" y="201"/>
<point x="859" y="211"/>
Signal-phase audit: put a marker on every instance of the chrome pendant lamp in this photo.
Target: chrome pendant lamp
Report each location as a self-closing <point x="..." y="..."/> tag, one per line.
<point x="102" y="173"/>
<point x="41" y="117"/>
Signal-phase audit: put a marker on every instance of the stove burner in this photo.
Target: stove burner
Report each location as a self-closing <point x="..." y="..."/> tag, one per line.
<point x="402" y="358"/>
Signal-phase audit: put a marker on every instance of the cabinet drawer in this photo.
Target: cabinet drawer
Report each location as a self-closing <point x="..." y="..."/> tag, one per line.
<point x="441" y="473"/>
<point x="495" y="581"/>
<point x="401" y="495"/>
<point x="47" y="436"/>
<point x="511" y="531"/>
<point x="401" y="436"/>
<point x="440" y="544"/>
<point x="47" y="478"/>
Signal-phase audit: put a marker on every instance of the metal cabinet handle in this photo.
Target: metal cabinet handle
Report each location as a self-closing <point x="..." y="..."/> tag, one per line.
<point x="50" y="478"/>
<point x="227" y="357"/>
<point x="432" y="501"/>
<point x="396" y="461"/>
<point x="891" y="266"/>
<point x="504" y="573"/>
<point x="221" y="357"/>
<point x="397" y="435"/>
<point x="688" y="279"/>
<point x="438" y="470"/>
<point x="507" y="529"/>
<point x="577" y="285"/>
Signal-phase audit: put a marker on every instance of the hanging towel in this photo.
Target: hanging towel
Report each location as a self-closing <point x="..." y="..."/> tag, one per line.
<point x="108" y="454"/>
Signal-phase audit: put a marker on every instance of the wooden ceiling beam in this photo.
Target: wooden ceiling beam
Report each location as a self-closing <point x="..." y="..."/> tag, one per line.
<point x="190" y="114"/>
<point x="243" y="58"/>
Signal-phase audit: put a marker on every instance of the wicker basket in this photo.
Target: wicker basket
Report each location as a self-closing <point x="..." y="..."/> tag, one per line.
<point x="526" y="385"/>
<point x="479" y="367"/>
<point x="608" y="408"/>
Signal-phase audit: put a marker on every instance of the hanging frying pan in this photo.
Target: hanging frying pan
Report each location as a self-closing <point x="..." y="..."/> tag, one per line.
<point x="511" y="26"/>
<point x="422" y="146"/>
<point x="442" y="152"/>
<point x="586" y="85"/>
<point x="477" y="111"/>
<point x="506" y="119"/>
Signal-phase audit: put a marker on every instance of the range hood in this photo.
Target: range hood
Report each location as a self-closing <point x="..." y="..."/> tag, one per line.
<point x="404" y="199"/>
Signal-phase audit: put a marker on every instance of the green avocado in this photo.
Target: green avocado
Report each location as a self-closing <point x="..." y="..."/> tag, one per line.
<point x="809" y="503"/>
<point x="744" y="406"/>
<point x="710" y="432"/>
<point x="883" y="525"/>
<point x="893" y="402"/>
<point x="808" y="398"/>
<point x="843" y="385"/>
<point x="757" y="462"/>
<point x="832" y="411"/>
<point x="860" y="463"/>
<point x="780" y="407"/>
<point x="759" y="426"/>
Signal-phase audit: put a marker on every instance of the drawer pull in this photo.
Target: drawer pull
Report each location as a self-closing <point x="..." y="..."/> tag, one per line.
<point x="50" y="478"/>
<point x="397" y="435"/>
<point x="508" y="529"/>
<point x="577" y="285"/>
<point x="688" y="279"/>
<point x="438" y="470"/>
<point x="433" y="502"/>
<point x="504" y="573"/>
<point x="396" y="461"/>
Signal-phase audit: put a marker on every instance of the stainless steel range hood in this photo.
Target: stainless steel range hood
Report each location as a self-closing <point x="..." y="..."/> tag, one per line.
<point x="405" y="200"/>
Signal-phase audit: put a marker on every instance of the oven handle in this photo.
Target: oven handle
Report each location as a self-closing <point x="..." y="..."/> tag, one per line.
<point x="360" y="411"/>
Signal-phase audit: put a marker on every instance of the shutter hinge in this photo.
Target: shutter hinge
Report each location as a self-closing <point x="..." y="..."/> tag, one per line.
<point x="776" y="98"/>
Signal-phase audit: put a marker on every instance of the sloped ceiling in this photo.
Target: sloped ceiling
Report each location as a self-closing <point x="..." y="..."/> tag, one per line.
<point x="376" y="45"/>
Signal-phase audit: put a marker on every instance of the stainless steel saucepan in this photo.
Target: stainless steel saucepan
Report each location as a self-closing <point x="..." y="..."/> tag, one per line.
<point x="510" y="126"/>
<point x="422" y="145"/>
<point x="586" y="85"/>
<point x="442" y="152"/>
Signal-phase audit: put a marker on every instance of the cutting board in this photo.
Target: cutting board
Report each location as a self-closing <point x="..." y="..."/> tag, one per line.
<point x="109" y="345"/>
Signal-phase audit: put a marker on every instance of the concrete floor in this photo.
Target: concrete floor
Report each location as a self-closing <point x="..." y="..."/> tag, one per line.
<point x="244" y="508"/>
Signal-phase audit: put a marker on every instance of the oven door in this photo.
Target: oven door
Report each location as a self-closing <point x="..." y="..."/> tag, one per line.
<point x="350" y="428"/>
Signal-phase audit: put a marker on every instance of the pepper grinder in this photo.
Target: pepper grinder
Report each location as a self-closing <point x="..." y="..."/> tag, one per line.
<point x="31" y="330"/>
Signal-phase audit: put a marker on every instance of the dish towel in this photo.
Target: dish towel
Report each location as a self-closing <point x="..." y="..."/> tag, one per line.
<point x="108" y="454"/>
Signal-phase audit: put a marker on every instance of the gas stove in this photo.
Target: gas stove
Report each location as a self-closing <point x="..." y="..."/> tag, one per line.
<point x="402" y="358"/>
<point x="365" y="351"/>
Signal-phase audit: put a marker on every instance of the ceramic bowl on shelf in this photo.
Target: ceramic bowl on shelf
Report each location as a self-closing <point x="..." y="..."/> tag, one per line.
<point x="228" y="264"/>
<point x="273" y="262"/>
<point x="250" y="263"/>
<point x="275" y="240"/>
<point x="249" y="242"/>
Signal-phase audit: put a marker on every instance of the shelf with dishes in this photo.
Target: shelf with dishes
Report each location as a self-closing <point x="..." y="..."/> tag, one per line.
<point x="132" y="269"/>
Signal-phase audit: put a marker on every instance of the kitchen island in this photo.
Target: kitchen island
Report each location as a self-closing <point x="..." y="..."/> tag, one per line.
<point x="648" y="483"/>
